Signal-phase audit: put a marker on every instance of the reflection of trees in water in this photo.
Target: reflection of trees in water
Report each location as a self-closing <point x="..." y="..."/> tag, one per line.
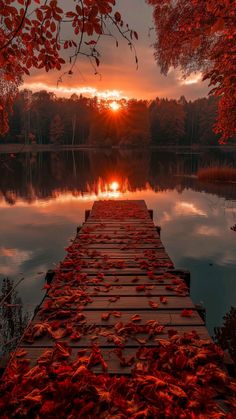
<point x="13" y="320"/>
<point x="223" y="190"/>
<point x="121" y="165"/>
<point x="43" y="175"/>
<point x="225" y="335"/>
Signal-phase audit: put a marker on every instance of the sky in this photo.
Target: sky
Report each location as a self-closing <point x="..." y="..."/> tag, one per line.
<point x="118" y="74"/>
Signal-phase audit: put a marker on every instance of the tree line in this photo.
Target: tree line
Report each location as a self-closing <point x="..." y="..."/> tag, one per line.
<point x="43" y="118"/>
<point x="45" y="175"/>
<point x="190" y="35"/>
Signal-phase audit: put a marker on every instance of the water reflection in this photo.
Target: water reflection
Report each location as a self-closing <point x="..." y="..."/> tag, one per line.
<point x="43" y="197"/>
<point x="40" y="176"/>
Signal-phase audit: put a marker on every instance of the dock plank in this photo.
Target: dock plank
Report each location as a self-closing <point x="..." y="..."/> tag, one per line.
<point x="132" y="303"/>
<point x="124" y="270"/>
<point x="114" y="303"/>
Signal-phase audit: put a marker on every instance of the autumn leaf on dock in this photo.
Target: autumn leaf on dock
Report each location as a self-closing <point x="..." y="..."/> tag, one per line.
<point x="186" y="313"/>
<point x="153" y="305"/>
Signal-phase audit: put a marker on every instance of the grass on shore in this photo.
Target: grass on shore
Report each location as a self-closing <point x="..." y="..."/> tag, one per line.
<point x="220" y="174"/>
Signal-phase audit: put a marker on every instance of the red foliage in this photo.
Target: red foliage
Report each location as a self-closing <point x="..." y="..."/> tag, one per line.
<point x="30" y="38"/>
<point x="187" y="386"/>
<point x="199" y="35"/>
<point x="171" y="376"/>
<point x="153" y="304"/>
<point x="186" y="313"/>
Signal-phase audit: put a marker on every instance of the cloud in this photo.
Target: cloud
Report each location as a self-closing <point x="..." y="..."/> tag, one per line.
<point x="205" y="230"/>
<point x="67" y="91"/>
<point x="188" y="208"/>
<point x="118" y="68"/>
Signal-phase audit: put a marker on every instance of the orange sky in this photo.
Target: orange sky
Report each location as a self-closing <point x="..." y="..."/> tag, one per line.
<point x="118" y="68"/>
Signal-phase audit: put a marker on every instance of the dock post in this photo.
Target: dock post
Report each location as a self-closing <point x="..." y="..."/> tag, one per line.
<point x="87" y="214"/>
<point x="158" y="229"/>
<point x="184" y="274"/>
<point x="49" y="276"/>
<point x="201" y="311"/>
<point x="150" y="212"/>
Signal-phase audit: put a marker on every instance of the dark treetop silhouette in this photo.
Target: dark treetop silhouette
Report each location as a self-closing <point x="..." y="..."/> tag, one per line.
<point x="42" y="118"/>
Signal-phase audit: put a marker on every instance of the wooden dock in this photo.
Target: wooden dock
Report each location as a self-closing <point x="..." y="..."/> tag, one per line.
<point x="116" y="272"/>
<point x="116" y="307"/>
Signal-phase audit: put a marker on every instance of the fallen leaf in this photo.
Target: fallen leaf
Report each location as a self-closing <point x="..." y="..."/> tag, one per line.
<point x="20" y="352"/>
<point x="140" y="288"/>
<point x="142" y="341"/>
<point x="59" y="333"/>
<point x="163" y="300"/>
<point x="105" y="316"/>
<point x="116" y="313"/>
<point x="186" y="313"/>
<point x="136" y="318"/>
<point x="153" y="304"/>
<point x="75" y="336"/>
<point x="114" y="299"/>
<point x="136" y="279"/>
<point x="34" y="396"/>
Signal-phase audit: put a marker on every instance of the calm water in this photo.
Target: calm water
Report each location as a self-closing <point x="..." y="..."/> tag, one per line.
<point x="43" y="197"/>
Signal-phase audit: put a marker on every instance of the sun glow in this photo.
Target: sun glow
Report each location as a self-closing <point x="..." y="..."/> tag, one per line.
<point x="67" y="91"/>
<point x="114" y="186"/>
<point x="115" y="106"/>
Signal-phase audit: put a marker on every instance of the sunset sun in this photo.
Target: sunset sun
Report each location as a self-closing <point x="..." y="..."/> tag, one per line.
<point x="114" y="106"/>
<point x="114" y="186"/>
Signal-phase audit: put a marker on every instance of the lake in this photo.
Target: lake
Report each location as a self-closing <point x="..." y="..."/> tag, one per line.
<point x="43" y="198"/>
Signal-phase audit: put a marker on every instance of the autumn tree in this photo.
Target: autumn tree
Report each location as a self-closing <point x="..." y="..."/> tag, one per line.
<point x="33" y="36"/>
<point x="199" y="35"/>
<point x="8" y="91"/>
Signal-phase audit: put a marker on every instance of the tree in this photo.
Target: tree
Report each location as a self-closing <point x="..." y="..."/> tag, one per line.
<point x="167" y="119"/>
<point x="8" y="92"/>
<point x="13" y="320"/>
<point x="200" y="35"/>
<point x="32" y="37"/>
<point x="56" y="130"/>
<point x="103" y="130"/>
<point x="225" y="335"/>
<point x="134" y="127"/>
<point x="128" y="126"/>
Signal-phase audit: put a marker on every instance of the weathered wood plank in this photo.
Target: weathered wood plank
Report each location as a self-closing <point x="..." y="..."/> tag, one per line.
<point x="163" y="317"/>
<point x="132" y="303"/>
<point x="108" y="290"/>
<point x="102" y="336"/>
<point x="121" y="263"/>
<point x="126" y="271"/>
<point x="129" y="290"/>
<point x="123" y="246"/>
<point x="125" y="280"/>
<point x="119" y="234"/>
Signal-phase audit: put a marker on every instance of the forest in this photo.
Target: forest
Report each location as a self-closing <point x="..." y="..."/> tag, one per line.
<point x="43" y="118"/>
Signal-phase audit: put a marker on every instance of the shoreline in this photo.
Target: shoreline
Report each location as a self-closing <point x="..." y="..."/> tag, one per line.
<point x="26" y="148"/>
